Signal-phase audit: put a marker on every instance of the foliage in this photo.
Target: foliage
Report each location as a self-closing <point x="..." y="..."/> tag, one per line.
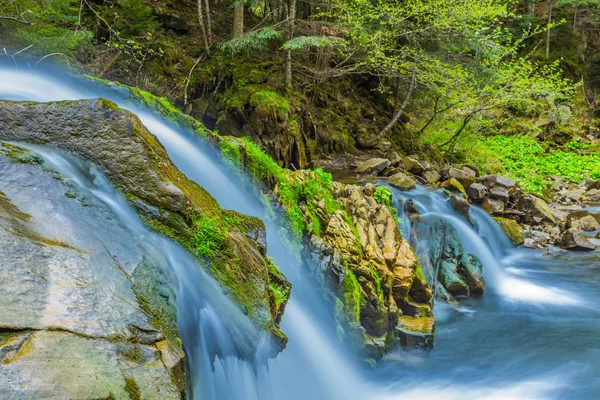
<point x="54" y="26"/>
<point x="353" y="298"/>
<point x="307" y="42"/>
<point x="531" y="163"/>
<point x="278" y="293"/>
<point x="252" y="41"/>
<point x="209" y="236"/>
<point x="383" y="195"/>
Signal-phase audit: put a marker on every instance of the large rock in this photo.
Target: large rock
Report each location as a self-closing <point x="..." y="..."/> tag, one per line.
<point x="465" y="176"/>
<point x="454" y="186"/>
<point x="476" y="191"/>
<point x="573" y="240"/>
<point x="413" y="165"/>
<point x="85" y="303"/>
<point x="402" y="181"/>
<point x="460" y="273"/>
<point x="134" y="160"/>
<point x="512" y="229"/>
<point x="536" y="208"/>
<point x="587" y="223"/>
<point x="373" y="166"/>
<point x="372" y="269"/>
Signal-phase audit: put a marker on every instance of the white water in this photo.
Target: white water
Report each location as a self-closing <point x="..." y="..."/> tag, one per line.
<point x="487" y="241"/>
<point x="314" y="366"/>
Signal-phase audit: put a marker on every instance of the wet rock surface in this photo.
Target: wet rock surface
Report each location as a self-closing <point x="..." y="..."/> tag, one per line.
<point x="134" y="160"/>
<point x="72" y="324"/>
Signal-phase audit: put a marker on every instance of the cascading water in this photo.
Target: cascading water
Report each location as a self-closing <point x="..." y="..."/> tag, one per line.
<point x="533" y="335"/>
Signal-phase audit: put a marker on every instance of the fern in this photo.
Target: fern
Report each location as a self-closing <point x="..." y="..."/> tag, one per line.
<point x="305" y="42"/>
<point x="251" y="41"/>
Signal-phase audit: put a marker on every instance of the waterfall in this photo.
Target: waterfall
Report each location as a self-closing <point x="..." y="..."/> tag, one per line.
<point x="479" y="353"/>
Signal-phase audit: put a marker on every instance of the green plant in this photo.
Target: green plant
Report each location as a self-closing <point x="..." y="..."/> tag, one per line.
<point x="530" y="163"/>
<point x="209" y="237"/>
<point x="383" y="195"/>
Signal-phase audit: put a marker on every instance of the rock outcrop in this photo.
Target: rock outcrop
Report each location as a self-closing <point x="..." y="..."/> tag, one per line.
<point x="88" y="311"/>
<point x="133" y="159"/>
<point x="375" y="281"/>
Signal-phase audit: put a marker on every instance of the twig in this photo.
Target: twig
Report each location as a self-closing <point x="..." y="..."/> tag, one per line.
<point x="50" y="55"/>
<point x="20" y="21"/>
<point x="189" y="78"/>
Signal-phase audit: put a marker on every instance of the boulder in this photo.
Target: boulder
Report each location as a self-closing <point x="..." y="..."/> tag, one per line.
<point x="573" y="240"/>
<point x="413" y="165"/>
<point x="493" y="206"/>
<point x="454" y="185"/>
<point x="499" y="193"/>
<point x="395" y="159"/>
<point x="415" y="332"/>
<point x="402" y="181"/>
<point x="431" y="177"/>
<point x="85" y="301"/>
<point x="498" y="180"/>
<point x="476" y="191"/>
<point x="587" y="223"/>
<point x="512" y="229"/>
<point x="117" y="142"/>
<point x="534" y="207"/>
<point x="465" y="176"/>
<point x="472" y="269"/>
<point x="458" y="272"/>
<point x="373" y="166"/>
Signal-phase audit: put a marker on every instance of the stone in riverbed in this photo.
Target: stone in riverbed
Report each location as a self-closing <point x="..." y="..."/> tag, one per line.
<point x="402" y="181"/>
<point x="373" y="166"/>
<point x="512" y="229"/>
<point x="416" y="332"/>
<point x="499" y="193"/>
<point x="476" y="191"/>
<point x="493" y="206"/>
<point x="454" y="185"/>
<point x="431" y="177"/>
<point x="587" y="223"/>
<point x="413" y="165"/>
<point x="465" y="176"/>
<point x="534" y="207"/>
<point x="573" y="240"/>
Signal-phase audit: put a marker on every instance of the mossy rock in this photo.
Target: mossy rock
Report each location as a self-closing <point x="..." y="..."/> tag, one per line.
<point x="512" y="229"/>
<point x="134" y="160"/>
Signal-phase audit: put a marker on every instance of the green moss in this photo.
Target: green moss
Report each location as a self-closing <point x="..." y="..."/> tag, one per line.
<point x="133" y="353"/>
<point x="231" y="151"/>
<point x="209" y="236"/>
<point x="132" y="389"/>
<point x="352" y="297"/>
<point x="378" y="287"/>
<point x="20" y="155"/>
<point x="278" y="293"/>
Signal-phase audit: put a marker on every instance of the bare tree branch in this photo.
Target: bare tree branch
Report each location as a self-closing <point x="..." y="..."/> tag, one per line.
<point x="20" y="21"/>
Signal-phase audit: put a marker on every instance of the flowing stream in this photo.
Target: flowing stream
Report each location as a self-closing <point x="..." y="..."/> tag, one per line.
<point x="533" y="335"/>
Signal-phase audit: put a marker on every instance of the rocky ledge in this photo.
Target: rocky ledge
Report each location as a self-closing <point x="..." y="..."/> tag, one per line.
<point x="87" y="310"/>
<point x="82" y="302"/>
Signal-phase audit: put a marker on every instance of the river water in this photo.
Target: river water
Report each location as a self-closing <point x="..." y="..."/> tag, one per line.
<point x="533" y="335"/>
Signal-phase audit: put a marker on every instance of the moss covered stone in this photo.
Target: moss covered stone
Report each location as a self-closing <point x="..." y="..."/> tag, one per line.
<point x="133" y="159"/>
<point x="512" y="229"/>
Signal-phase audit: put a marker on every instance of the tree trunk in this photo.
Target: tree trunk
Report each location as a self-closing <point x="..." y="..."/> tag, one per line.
<point x="238" y="20"/>
<point x="203" y="29"/>
<point x="291" y="17"/>
<point x="208" y="21"/>
<point x="411" y="87"/>
<point x="548" y="29"/>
